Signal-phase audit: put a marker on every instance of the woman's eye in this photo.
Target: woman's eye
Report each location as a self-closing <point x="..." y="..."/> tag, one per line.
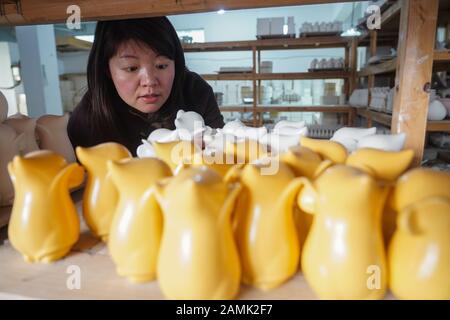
<point x="130" y="69"/>
<point x="162" y="66"/>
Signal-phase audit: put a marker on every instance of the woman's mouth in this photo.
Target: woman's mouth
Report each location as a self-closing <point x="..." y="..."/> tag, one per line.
<point x="150" y="98"/>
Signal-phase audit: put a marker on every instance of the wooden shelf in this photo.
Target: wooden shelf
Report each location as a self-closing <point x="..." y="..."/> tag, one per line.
<point x="438" y="126"/>
<point x="384" y="67"/>
<point x="379" y="117"/>
<point x="441" y="56"/>
<point x="390" y="13"/>
<point x="292" y="108"/>
<point x="385" y="119"/>
<point x="268" y="44"/>
<point x="278" y="76"/>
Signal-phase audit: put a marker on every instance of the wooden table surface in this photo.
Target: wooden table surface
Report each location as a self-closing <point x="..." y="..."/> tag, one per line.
<point x="22" y="280"/>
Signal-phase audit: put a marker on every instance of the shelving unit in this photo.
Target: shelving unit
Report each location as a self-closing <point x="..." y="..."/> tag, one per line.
<point x="256" y="46"/>
<point x="416" y="22"/>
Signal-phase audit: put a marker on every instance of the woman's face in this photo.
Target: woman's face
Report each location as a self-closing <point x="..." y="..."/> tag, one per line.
<point x="142" y="77"/>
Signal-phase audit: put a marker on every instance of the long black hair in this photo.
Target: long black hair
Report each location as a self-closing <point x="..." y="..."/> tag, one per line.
<point x="101" y="98"/>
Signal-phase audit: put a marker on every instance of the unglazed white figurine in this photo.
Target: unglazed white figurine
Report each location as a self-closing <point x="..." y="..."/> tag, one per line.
<point x="349" y="136"/>
<point x="146" y="150"/>
<point x="189" y="124"/>
<point x="27" y="126"/>
<point x="238" y="129"/>
<point x="11" y="144"/>
<point x="387" y="142"/>
<point x="163" y="135"/>
<point x="288" y="123"/>
<point x="436" y="111"/>
<point x="52" y="134"/>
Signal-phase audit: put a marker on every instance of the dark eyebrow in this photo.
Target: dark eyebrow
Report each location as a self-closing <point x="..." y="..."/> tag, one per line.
<point x="125" y="56"/>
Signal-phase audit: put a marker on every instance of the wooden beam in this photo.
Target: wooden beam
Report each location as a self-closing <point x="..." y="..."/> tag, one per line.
<point x="54" y="11"/>
<point x="259" y="109"/>
<point x="439" y="126"/>
<point x="384" y="67"/>
<point x="415" y="61"/>
<point x="268" y="44"/>
<point x="373" y="52"/>
<point x="278" y="76"/>
<point x="353" y="53"/>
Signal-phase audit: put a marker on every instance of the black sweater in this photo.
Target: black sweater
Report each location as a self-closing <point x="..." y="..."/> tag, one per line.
<point x="134" y="125"/>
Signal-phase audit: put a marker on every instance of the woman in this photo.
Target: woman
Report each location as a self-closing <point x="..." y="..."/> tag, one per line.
<point x="137" y="81"/>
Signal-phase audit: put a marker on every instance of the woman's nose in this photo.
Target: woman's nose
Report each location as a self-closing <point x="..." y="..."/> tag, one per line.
<point x="149" y="79"/>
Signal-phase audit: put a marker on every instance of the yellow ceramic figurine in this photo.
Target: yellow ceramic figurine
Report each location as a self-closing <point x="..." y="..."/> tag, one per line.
<point x="44" y="223"/>
<point x="343" y="256"/>
<point x="176" y="152"/>
<point x="100" y="195"/>
<point x="216" y="161"/>
<point x="245" y="151"/>
<point x="198" y="258"/>
<point x="327" y="149"/>
<point x="305" y="162"/>
<point x="419" y="252"/>
<point x="136" y="228"/>
<point x="386" y="166"/>
<point x="265" y="229"/>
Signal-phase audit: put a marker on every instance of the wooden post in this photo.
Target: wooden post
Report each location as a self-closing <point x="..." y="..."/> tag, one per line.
<point x="255" y="114"/>
<point x="373" y="51"/>
<point x="346" y="67"/>
<point x="413" y="74"/>
<point x="352" y="64"/>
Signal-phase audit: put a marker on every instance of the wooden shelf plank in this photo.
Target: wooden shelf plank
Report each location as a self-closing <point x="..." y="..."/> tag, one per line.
<point x="384" y="67"/>
<point x="379" y="117"/>
<point x="385" y="119"/>
<point x="438" y="126"/>
<point x="278" y="76"/>
<point x="281" y="108"/>
<point x="441" y="56"/>
<point x="54" y="11"/>
<point x="268" y="44"/>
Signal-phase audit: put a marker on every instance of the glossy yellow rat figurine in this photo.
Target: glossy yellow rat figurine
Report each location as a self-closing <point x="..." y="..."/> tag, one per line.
<point x="385" y="166"/>
<point x="265" y="228"/>
<point x="198" y="258"/>
<point x="100" y="195"/>
<point x="344" y="256"/>
<point x="44" y="224"/>
<point x="327" y="149"/>
<point x="305" y="162"/>
<point x="136" y="228"/>
<point x="419" y="252"/>
<point x="176" y="152"/>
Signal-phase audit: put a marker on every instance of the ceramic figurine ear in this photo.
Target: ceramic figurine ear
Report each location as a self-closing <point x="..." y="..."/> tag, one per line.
<point x="72" y="176"/>
<point x="408" y="220"/>
<point x="327" y="149"/>
<point x="324" y="165"/>
<point x="387" y="165"/>
<point x="307" y="197"/>
<point x="182" y="165"/>
<point x="227" y="208"/>
<point x="234" y="173"/>
<point x="159" y="190"/>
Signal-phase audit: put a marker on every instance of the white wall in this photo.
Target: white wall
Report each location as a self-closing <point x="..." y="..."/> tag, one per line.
<point x="8" y="56"/>
<point x="39" y="69"/>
